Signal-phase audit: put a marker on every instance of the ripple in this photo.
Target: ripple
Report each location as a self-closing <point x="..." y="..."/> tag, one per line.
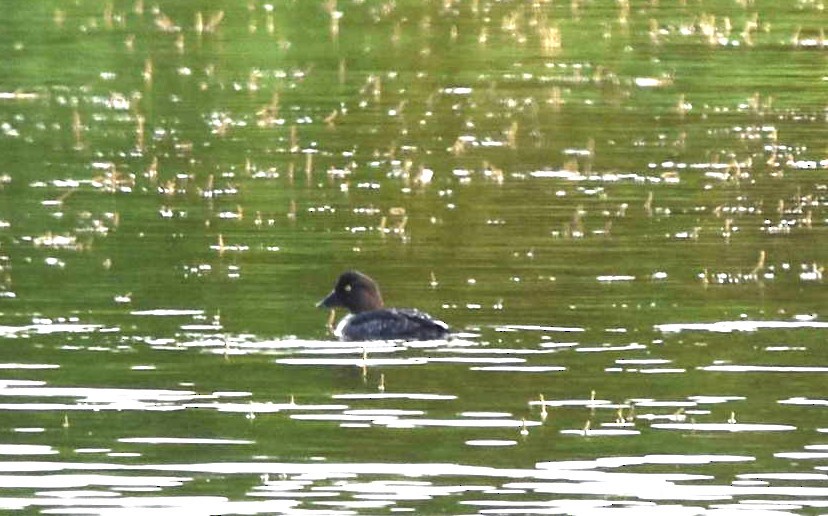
<point x="463" y="423"/>
<point x="600" y="432"/>
<point x="94" y="399"/>
<point x="535" y="327"/>
<point x="804" y="401"/>
<point x="657" y="403"/>
<point x="574" y="403"/>
<point x="733" y="368"/>
<point x="167" y="312"/>
<point x="614" y="279"/>
<point x="263" y="408"/>
<point x="724" y="427"/>
<point x="520" y="369"/>
<point x="477" y="360"/>
<point x="486" y="414"/>
<point x="731" y="326"/>
<point x="618" y="462"/>
<point x="358" y="362"/>
<point x="491" y="442"/>
<point x="29" y="366"/>
<point x="48" y="328"/>
<point x="26" y="449"/>
<point x="597" y="349"/>
<point x="642" y="361"/>
<point x="181" y="440"/>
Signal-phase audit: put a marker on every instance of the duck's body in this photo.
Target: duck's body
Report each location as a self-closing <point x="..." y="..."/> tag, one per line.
<point x="369" y="320"/>
<point x="391" y="324"/>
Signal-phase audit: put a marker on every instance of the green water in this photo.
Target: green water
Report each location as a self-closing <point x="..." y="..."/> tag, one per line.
<point x="617" y="206"/>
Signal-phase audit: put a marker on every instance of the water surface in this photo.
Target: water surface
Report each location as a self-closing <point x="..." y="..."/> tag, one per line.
<point x="620" y="207"/>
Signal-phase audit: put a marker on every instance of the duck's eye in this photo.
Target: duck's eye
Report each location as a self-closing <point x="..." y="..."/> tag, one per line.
<point x="348" y="288"/>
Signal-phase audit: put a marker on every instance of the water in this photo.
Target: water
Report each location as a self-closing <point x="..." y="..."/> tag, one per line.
<point x="620" y="207"/>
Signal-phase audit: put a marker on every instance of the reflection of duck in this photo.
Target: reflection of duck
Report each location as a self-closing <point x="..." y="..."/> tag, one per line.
<point x="368" y="319"/>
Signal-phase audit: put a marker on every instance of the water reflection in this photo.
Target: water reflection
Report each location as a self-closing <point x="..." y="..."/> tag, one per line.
<point x="326" y="486"/>
<point x="620" y="206"/>
<point x="314" y="487"/>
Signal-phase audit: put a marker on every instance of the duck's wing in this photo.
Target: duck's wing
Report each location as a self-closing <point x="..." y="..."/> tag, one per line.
<point x="393" y="324"/>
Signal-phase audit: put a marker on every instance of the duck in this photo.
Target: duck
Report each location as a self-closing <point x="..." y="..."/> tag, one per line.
<point x="370" y="320"/>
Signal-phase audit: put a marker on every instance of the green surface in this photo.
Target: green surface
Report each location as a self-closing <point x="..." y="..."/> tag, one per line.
<point x="518" y="153"/>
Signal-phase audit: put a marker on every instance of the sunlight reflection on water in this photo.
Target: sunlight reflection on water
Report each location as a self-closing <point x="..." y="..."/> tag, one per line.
<point x="730" y="326"/>
<point x="627" y="241"/>
<point x="329" y="487"/>
<point x="344" y="485"/>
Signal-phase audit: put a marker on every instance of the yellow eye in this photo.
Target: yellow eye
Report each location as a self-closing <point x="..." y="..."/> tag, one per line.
<point x="348" y="288"/>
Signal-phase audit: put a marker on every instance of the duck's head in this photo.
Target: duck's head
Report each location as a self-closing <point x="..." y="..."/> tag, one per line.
<point x="354" y="291"/>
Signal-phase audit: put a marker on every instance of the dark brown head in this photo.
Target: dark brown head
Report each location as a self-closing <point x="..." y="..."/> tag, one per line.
<point x="354" y="291"/>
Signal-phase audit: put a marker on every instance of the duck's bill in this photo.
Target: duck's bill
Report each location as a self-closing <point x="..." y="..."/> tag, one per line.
<point x="330" y="301"/>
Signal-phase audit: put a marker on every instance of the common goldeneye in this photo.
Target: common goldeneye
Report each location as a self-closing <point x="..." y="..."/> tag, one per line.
<point x="368" y="319"/>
